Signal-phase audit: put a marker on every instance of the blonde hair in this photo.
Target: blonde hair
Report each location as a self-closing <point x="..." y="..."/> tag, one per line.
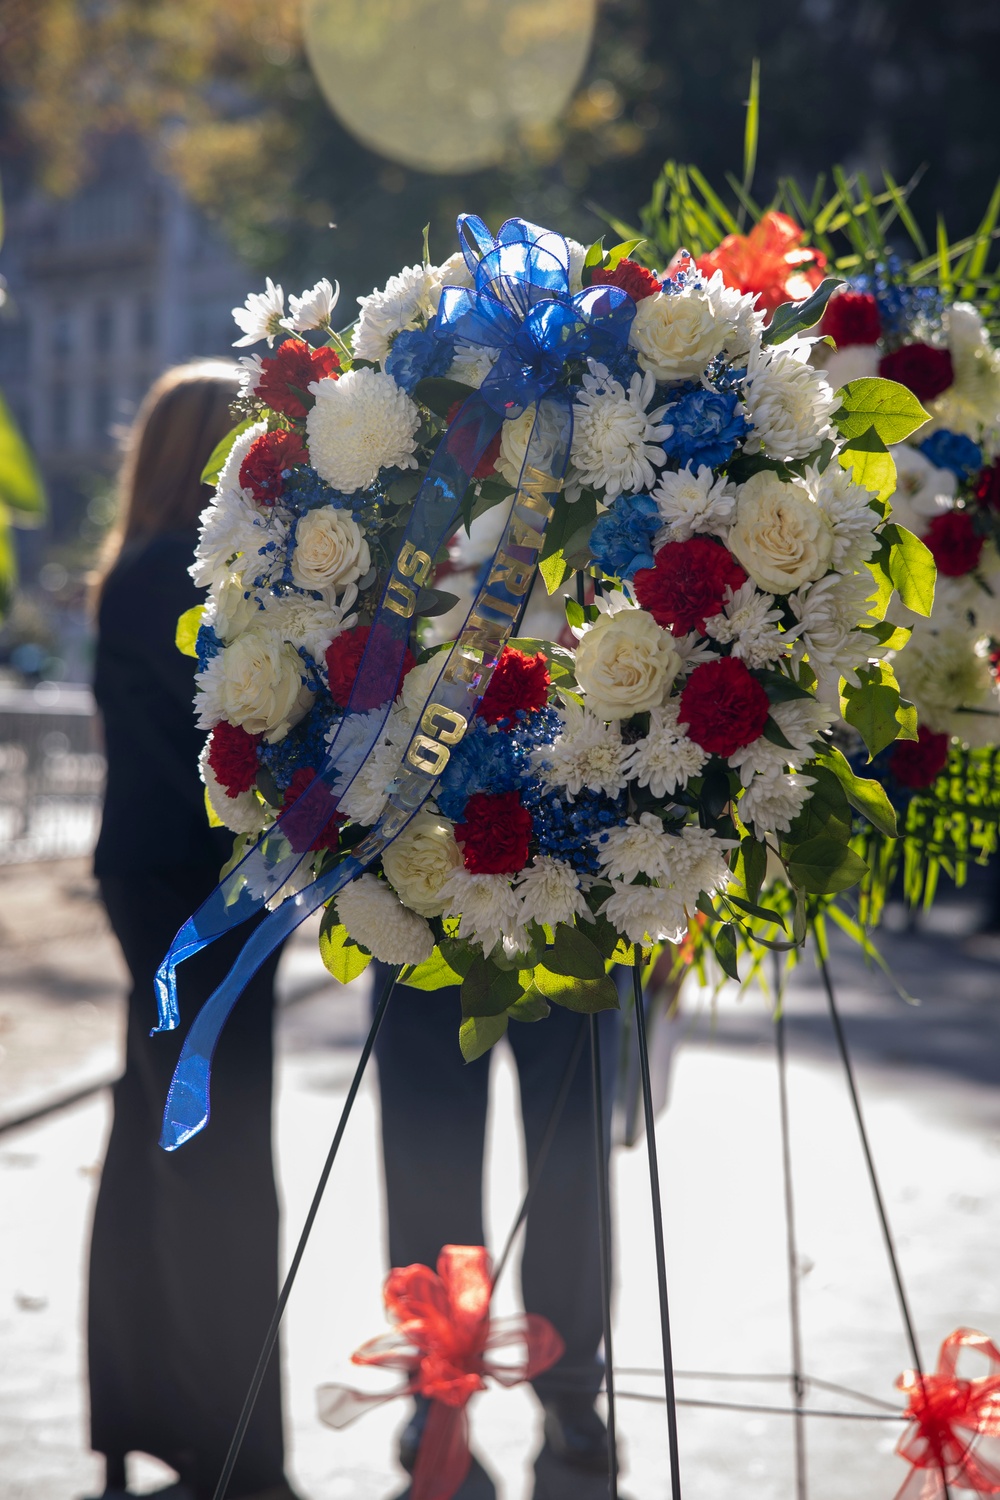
<point x="184" y="415"/>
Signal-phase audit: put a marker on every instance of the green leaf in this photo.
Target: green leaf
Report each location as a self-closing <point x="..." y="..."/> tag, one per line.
<point x="762" y="913"/>
<point x="532" y="1006"/>
<point x="431" y="602"/>
<point x="752" y="865"/>
<point x="751" y="131"/>
<point x="214" y="821"/>
<point x="344" y="959"/>
<point x="21" y="486"/>
<point x="604" y="936"/>
<point x="824" y="866"/>
<point x="217" y="459"/>
<point x="889" y="407"/>
<point x="778" y="687"/>
<point x="583" y="995"/>
<point x="439" y="394"/>
<point x="826" y="812"/>
<point x="873" y="708"/>
<point x="573" y="954"/>
<point x="795" y="317"/>
<point x="773" y="732"/>
<point x="553" y="569"/>
<point x="870" y="463"/>
<point x="574" y="612"/>
<point x="595" y="255"/>
<point x="725" y="950"/>
<point x="911" y="568"/>
<point x="187" y="630"/>
<point x="457" y="954"/>
<point x="621" y="252"/>
<point x="478" y="1034"/>
<point x="433" y="974"/>
<point x="862" y="792"/>
<point x="487" y="990"/>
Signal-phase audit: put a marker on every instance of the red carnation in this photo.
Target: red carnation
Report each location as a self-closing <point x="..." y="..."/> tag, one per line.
<point x="343" y="658"/>
<point x="723" y="706"/>
<point x="232" y="754"/>
<point x="954" y="543"/>
<point x="988" y="487"/>
<point x="288" y="374"/>
<point x="298" y="828"/>
<point x="495" y="833"/>
<point x="916" y="763"/>
<point x="518" y="681"/>
<point x="924" y="370"/>
<point x="461" y="446"/>
<point x="852" y="318"/>
<point x="269" y="457"/>
<point x="687" y="583"/>
<point x="631" y="277"/>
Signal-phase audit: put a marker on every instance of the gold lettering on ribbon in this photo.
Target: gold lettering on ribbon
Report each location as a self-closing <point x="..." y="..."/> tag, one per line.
<point x="444" y="724"/>
<point x="427" y="755"/>
<point x="413" y="564"/>
<point x="400" y="598"/>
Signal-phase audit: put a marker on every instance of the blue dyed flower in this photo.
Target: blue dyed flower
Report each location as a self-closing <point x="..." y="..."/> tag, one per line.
<point x="418" y="353"/>
<point x="563" y="827"/>
<point x="708" y="426"/>
<point x="206" y="645"/>
<point x="622" y="540"/>
<point x="484" y="760"/>
<point x="304" y="745"/>
<point x="901" y="308"/>
<point x="304" y="491"/>
<point x="954" y="451"/>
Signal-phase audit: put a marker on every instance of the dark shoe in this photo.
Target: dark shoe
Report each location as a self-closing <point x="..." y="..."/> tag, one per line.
<point x="477" y="1484"/>
<point x="175" y="1491"/>
<point x="575" y="1435"/>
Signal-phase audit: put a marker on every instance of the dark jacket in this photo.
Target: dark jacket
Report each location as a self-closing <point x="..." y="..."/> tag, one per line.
<point x="154" y="803"/>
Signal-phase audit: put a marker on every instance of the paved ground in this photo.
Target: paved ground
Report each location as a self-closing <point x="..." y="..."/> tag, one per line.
<point x="928" y="1075"/>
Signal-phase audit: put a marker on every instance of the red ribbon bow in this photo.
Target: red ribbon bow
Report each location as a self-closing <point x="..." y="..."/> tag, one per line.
<point x="771" y="260"/>
<point x="445" y="1342"/>
<point x="950" y="1417"/>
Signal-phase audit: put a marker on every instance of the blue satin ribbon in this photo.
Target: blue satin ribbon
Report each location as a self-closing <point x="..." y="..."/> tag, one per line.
<point x="521" y="306"/>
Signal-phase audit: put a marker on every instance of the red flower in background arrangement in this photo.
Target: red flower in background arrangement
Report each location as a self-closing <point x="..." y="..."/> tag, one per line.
<point x="343" y="658"/>
<point x="852" y="318"/>
<point x="954" y="543"/>
<point x="924" y="370"/>
<point x="232" y="754"/>
<point x="631" y="277"/>
<point x="268" y="458"/>
<point x="687" y="583"/>
<point x="494" y="832"/>
<point x="917" y="763"/>
<point x="518" y="682"/>
<point x="771" y="261"/>
<point x="988" y="487"/>
<point x="288" y="374"/>
<point x="461" y="442"/>
<point x="327" y="836"/>
<point x="723" y="706"/>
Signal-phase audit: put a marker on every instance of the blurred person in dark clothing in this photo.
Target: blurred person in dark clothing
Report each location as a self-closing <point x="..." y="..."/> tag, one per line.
<point x="184" y="1257"/>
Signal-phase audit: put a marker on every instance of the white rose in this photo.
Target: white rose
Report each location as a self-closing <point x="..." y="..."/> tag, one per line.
<point x="256" y="682"/>
<point x="677" y="334"/>
<point x="781" y="536"/>
<point x="329" y="549"/>
<point x="229" y="611"/>
<point x="625" y="664"/>
<point x="420" y="860"/>
<point x="515" y="436"/>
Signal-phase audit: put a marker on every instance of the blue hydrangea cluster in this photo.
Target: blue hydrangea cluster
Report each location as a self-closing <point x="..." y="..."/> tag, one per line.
<point x="304" y="745"/>
<point x="206" y="645"/>
<point x="418" y="353"/>
<point x="622" y="540"/>
<point x="489" y="759"/>
<point x="304" y="491"/>
<point x="563" y="827"/>
<point x="707" y="427"/>
<point x="954" y="451"/>
<point x="901" y="308"/>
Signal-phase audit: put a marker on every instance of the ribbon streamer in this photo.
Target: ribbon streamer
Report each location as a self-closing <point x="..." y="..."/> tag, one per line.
<point x="520" y="306"/>
<point x="446" y="1344"/>
<point x="951" y="1416"/>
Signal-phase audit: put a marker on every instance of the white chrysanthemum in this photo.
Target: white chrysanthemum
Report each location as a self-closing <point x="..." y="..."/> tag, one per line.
<point x="645" y="913"/>
<point x="352" y="740"/>
<point x="666" y="759"/>
<point x="228" y="483"/>
<point x="376" y="918"/>
<point x="676" y="334"/>
<point x="577" y="256"/>
<point x="233" y="537"/>
<point x="771" y="804"/>
<point x="699" y="863"/>
<point x="472" y="363"/>
<point x="261" y="316"/>
<point x="488" y="906"/>
<point x="588" y="753"/>
<point x="452" y="272"/>
<point x="789" y="402"/>
<point x="922" y="490"/>
<point x="243" y="813"/>
<point x="312" y="623"/>
<point x="941" y="672"/>
<point x="748" y="620"/>
<point x="829" y="613"/>
<point x="417" y="685"/>
<point x="745" y="322"/>
<point x="360" y="424"/>
<point x="314" y="308"/>
<point x="256" y="682"/>
<point x="847" y="506"/>
<point x="853" y="362"/>
<point x="801" y="721"/>
<point x="693" y="649"/>
<point x="635" y="848"/>
<point x="404" y="302"/>
<point x="617" y="443"/>
<point x="550" y="892"/>
<point x="251" y="368"/>
<point x="692" y="502"/>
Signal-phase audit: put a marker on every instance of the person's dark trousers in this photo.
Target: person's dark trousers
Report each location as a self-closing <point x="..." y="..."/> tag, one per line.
<point x="433" y="1132"/>
<point x="184" y="1256"/>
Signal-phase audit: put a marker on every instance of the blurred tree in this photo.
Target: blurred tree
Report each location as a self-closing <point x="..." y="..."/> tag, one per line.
<point x="22" y="494"/>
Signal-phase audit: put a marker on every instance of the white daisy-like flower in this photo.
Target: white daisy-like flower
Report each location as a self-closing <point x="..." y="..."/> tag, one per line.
<point x="488" y="905"/>
<point x="314" y="308"/>
<point x="635" y="848"/>
<point x="748" y="621"/>
<point x="231" y="529"/>
<point x="243" y="813"/>
<point x="699" y="863"/>
<point x="692" y="502"/>
<point x="790" y="403"/>
<point x="645" y="913"/>
<point x="740" y="313"/>
<point x="551" y="892"/>
<point x="847" y="507"/>
<point x="693" y="649"/>
<point x="617" y="443"/>
<point x="376" y="918"/>
<point x="829" y="613"/>
<point x="588" y="754"/>
<point x="403" y="302"/>
<point x="971" y="404"/>
<point x="942" y="671"/>
<point x="416" y="688"/>
<point x="760" y="758"/>
<point x="251" y="368"/>
<point x="228" y="482"/>
<point x="261" y="316"/>
<point x="360" y="424"/>
<point x="801" y="721"/>
<point x="472" y="363"/>
<point x="771" y="804"/>
<point x="922" y="490"/>
<point x="309" y="622"/>
<point x="452" y="272"/>
<point x="353" y="740"/>
<point x="666" y="759"/>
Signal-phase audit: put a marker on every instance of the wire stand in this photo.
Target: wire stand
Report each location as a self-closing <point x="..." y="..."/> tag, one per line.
<point x="271" y="1337"/>
<point x="604" y="1226"/>
<point x="661" y="1255"/>
<point x="791" y="1247"/>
